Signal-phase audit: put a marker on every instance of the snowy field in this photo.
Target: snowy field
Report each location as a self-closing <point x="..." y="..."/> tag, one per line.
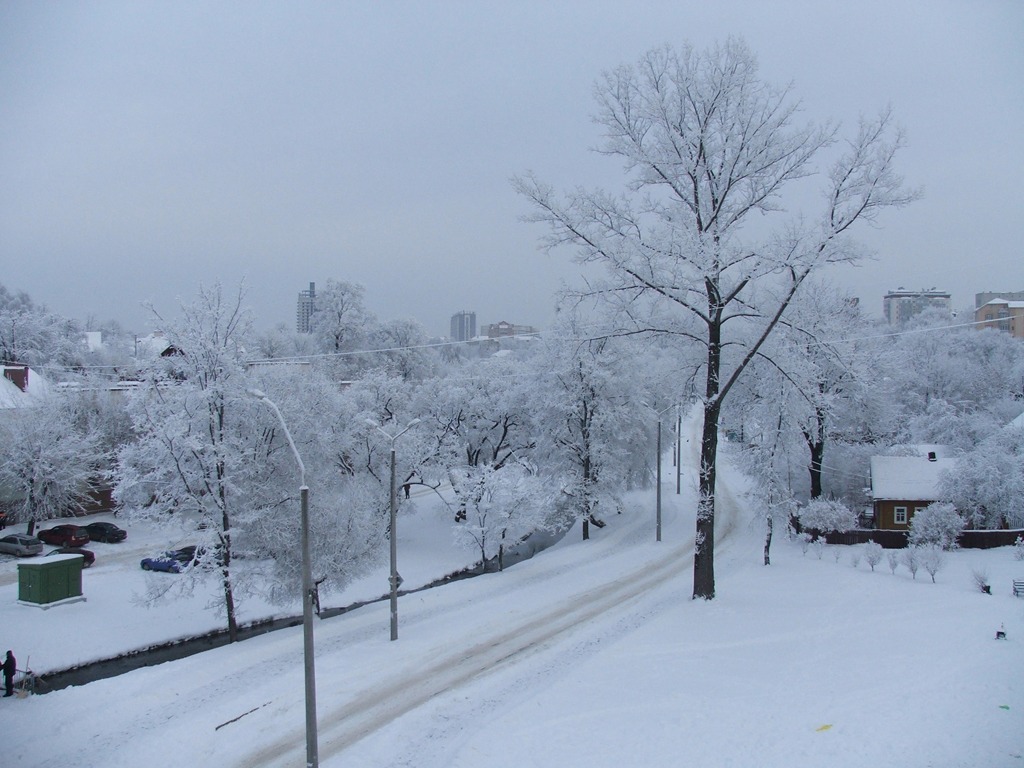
<point x="591" y="654"/>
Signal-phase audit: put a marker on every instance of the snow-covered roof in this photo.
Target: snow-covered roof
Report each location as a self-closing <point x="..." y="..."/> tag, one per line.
<point x="1017" y="423"/>
<point x="1006" y="302"/>
<point x="11" y="395"/>
<point x="152" y="345"/>
<point x="907" y="477"/>
<point x="922" y="449"/>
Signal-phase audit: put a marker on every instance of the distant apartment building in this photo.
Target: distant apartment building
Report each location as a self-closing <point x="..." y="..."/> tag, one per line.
<point x="463" y="326"/>
<point x="901" y="305"/>
<point x="305" y="308"/>
<point x="1003" y="314"/>
<point x="504" y="328"/>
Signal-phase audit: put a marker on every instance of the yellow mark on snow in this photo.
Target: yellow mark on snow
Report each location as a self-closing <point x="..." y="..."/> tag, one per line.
<point x="823" y="727"/>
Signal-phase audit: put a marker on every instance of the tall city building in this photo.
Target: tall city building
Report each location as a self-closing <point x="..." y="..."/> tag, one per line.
<point x="900" y="305"/>
<point x="304" y="309"/>
<point x="463" y="326"/>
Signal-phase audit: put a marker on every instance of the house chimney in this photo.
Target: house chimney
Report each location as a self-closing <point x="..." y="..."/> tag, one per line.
<point x="19" y="375"/>
<point x="932" y="456"/>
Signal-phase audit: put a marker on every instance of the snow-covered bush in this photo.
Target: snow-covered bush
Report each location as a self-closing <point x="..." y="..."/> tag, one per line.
<point x="873" y="553"/>
<point x="819" y="547"/>
<point x="981" y="580"/>
<point x="932" y="559"/>
<point x="937" y="525"/>
<point x="912" y="560"/>
<point x="894" y="562"/>
<point x="1018" y="549"/>
<point x="805" y="541"/>
<point x="826" y="515"/>
<point x="855" y="558"/>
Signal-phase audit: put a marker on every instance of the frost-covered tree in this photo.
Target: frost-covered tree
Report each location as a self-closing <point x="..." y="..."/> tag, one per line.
<point x="937" y="525"/>
<point x="893" y="560"/>
<point x="340" y="323"/>
<point x="503" y="506"/>
<point x="48" y="462"/>
<point x="403" y="349"/>
<point x="199" y="451"/>
<point x="37" y="337"/>
<point x="825" y="515"/>
<point x="709" y="147"/>
<point x="911" y="557"/>
<point x="953" y="386"/>
<point x="987" y="483"/>
<point x="345" y="501"/>
<point x="100" y="413"/>
<point x="873" y="553"/>
<point x="932" y="559"/>
<point x="381" y="402"/>
<point x="809" y="384"/>
<point x="480" y="417"/>
<point x="284" y="341"/>
<point x="591" y="442"/>
<point x="14" y="300"/>
<point x="211" y="454"/>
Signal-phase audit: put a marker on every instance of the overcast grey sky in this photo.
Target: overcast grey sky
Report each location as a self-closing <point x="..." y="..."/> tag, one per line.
<point x="147" y="147"/>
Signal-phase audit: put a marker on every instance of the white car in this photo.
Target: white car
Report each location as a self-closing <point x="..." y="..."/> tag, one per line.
<point x="21" y="544"/>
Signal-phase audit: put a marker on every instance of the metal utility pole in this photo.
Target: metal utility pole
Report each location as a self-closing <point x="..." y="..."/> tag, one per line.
<point x="657" y="526"/>
<point x="394" y="579"/>
<point x="312" y="751"/>
<point x="679" y="450"/>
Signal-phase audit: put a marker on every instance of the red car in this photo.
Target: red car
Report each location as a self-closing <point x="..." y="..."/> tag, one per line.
<point x="64" y="536"/>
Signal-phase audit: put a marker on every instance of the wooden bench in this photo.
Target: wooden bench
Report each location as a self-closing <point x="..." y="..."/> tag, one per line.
<point x="1018" y="587"/>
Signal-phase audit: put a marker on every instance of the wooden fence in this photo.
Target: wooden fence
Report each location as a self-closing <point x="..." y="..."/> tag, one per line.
<point x="898" y="539"/>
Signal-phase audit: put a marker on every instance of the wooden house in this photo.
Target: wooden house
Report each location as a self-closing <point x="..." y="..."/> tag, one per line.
<point x="904" y="485"/>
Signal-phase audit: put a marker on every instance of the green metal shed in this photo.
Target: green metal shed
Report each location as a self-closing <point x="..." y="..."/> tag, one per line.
<point x="50" y="580"/>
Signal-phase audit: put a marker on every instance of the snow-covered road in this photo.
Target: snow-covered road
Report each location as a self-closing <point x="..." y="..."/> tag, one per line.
<point x="249" y="697"/>
<point x="572" y="596"/>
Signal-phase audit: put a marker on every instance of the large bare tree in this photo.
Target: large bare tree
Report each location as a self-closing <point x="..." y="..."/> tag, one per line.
<point x="707" y="144"/>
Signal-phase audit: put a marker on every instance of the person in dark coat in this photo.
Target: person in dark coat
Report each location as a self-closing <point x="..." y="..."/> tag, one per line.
<point x="10" y="667"/>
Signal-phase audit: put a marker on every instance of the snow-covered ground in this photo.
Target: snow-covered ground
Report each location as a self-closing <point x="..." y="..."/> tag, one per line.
<point x="590" y="654"/>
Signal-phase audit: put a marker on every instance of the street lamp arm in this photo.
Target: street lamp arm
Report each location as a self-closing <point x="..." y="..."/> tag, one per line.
<point x="259" y="395"/>
<point x="388" y="435"/>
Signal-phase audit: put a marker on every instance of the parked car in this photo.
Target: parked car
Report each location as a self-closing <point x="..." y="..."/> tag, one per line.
<point x="65" y="536"/>
<point x="21" y="545"/>
<point x="88" y="555"/>
<point x="107" y="532"/>
<point x="171" y="561"/>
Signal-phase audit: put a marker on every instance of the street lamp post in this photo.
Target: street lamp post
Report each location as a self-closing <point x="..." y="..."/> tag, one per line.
<point x="312" y="757"/>
<point x="394" y="579"/>
<point x="657" y="525"/>
<point x="658" y="492"/>
<point x="679" y="450"/>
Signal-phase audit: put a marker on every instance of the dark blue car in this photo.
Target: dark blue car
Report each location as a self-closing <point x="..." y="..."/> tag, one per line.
<point x="171" y="561"/>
